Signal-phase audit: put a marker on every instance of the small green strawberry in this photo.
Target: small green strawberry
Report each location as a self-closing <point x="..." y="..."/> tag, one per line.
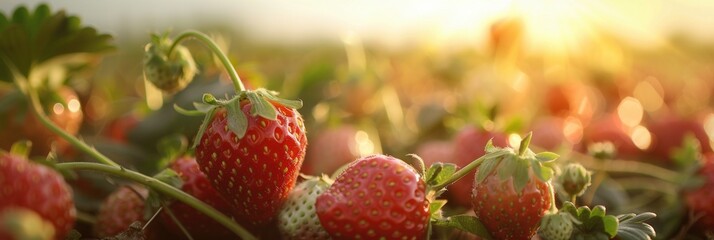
<point x="298" y="218"/>
<point x="556" y="226"/>
<point x="168" y="72"/>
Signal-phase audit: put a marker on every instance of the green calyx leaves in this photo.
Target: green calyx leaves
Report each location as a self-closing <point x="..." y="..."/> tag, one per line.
<point x="517" y="164"/>
<point x="30" y="38"/>
<point x="596" y="224"/>
<point x="466" y="223"/>
<point x="262" y="103"/>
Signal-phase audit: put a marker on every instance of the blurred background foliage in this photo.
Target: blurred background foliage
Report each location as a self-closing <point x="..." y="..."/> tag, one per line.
<point x="400" y="78"/>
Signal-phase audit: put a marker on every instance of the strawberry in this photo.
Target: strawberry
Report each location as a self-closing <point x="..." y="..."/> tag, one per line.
<point x="331" y="149"/>
<point x="468" y="146"/>
<point x="169" y="72"/>
<point x="552" y="133"/>
<point x="251" y="148"/>
<point x="506" y="197"/>
<point x="298" y="218"/>
<point x="120" y="209"/>
<point x="37" y="188"/>
<point x="669" y="133"/>
<point x="196" y="223"/>
<point x="700" y="200"/>
<point x="18" y="123"/>
<point x="609" y="128"/>
<point x="435" y="151"/>
<point x="557" y="226"/>
<point x="376" y="197"/>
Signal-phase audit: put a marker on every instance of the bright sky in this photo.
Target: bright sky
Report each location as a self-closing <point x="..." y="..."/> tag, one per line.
<point x="397" y="22"/>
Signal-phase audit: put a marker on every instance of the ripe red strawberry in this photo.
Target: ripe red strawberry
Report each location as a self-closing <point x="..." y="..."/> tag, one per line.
<point x="298" y="218"/>
<point x="18" y="123"/>
<point x="469" y="145"/>
<point x="609" y="128"/>
<point x="435" y="151"/>
<point x="669" y="133"/>
<point x="700" y="199"/>
<point x="331" y="149"/>
<point x="37" y="188"/>
<point x="120" y="209"/>
<point x="507" y="197"/>
<point x="251" y="151"/>
<point x="196" y="223"/>
<point x="376" y="197"/>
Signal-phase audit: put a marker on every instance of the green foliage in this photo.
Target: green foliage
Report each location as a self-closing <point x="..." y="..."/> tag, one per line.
<point x="30" y="38"/>
<point x="466" y="223"/>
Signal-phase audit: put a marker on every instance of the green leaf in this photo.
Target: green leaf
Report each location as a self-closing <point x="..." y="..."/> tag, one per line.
<point x="21" y="148"/>
<point x="435" y="208"/>
<point x="170" y="177"/>
<point x="466" y="223"/>
<point x="29" y="39"/>
<point x="237" y="121"/>
<point x="206" y="120"/>
<point x="271" y="95"/>
<point x="610" y="224"/>
<point x="547" y="156"/>
<point x="633" y="227"/>
<point x="490" y="147"/>
<point x="209" y="99"/>
<point x="599" y="211"/>
<point x="521" y="176"/>
<point x="202" y="107"/>
<point x="439" y="172"/>
<point x="508" y="167"/>
<point x="486" y="168"/>
<point x="187" y="112"/>
<point x="261" y="107"/>
<point x="543" y="173"/>
<point x="524" y="144"/>
<point x="170" y="148"/>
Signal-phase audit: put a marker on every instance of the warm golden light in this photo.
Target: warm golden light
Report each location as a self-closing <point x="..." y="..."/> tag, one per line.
<point x="58" y="108"/>
<point x="573" y="129"/>
<point x="641" y="137"/>
<point x="630" y="111"/>
<point x="73" y="105"/>
<point x="648" y="95"/>
<point x="365" y="146"/>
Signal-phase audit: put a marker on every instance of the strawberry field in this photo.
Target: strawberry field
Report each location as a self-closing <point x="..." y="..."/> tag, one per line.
<point x="208" y="132"/>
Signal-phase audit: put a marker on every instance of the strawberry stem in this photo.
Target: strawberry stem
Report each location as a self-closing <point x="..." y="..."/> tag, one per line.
<point x="205" y="39"/>
<point x="163" y="188"/>
<point x="36" y="107"/>
<point x="467" y="169"/>
<point x="111" y="167"/>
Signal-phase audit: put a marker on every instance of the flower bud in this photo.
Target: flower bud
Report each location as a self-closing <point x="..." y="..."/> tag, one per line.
<point x="574" y="179"/>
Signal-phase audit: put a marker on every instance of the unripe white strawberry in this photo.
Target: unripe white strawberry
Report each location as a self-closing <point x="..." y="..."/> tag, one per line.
<point x="557" y="226"/>
<point x="297" y="218"/>
<point x="169" y="72"/>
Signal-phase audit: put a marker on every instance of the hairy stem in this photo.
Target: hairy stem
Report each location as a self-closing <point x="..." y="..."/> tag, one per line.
<point x="37" y="109"/>
<point x="237" y="83"/>
<point x="164" y="189"/>
<point x="467" y="169"/>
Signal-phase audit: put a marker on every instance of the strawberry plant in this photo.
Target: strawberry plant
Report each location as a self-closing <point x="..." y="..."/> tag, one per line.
<point x="37" y="188"/>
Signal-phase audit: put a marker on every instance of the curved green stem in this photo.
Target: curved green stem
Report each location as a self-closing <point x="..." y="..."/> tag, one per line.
<point x="237" y="83"/>
<point x="162" y="188"/>
<point x="467" y="169"/>
<point x="39" y="112"/>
